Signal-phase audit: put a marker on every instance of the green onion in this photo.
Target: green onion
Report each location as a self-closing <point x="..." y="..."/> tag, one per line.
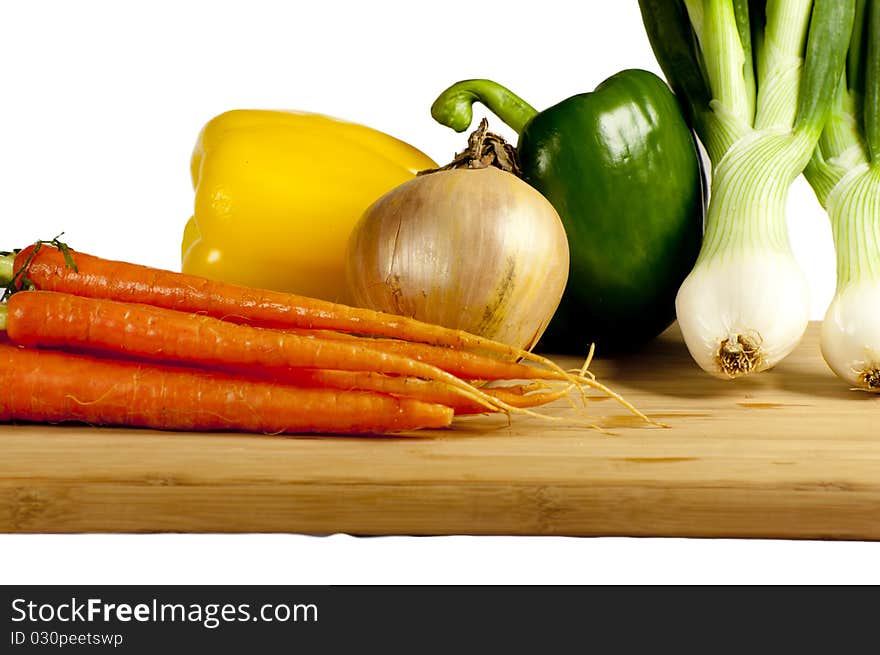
<point x="757" y="81"/>
<point x="845" y="174"/>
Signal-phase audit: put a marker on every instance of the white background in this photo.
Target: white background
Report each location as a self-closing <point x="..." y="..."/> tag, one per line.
<point x="101" y="105"/>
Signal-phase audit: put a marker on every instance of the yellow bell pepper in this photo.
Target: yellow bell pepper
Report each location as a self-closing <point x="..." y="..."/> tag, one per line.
<point x="277" y="194"/>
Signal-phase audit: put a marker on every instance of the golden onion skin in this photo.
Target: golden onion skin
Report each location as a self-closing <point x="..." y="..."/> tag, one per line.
<point x="473" y="249"/>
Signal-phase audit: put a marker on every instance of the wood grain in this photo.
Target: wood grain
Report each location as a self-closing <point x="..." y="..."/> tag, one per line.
<point x="791" y="453"/>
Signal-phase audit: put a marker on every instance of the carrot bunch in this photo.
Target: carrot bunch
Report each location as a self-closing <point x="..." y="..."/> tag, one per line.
<point x="108" y="342"/>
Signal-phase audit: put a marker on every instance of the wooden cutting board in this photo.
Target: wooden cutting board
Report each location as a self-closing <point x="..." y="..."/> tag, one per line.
<point x="790" y="453"/>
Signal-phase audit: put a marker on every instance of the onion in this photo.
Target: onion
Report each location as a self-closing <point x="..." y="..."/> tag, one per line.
<point x="473" y="248"/>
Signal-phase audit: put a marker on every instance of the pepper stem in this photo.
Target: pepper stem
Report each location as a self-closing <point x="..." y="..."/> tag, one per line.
<point x="4" y="311"/>
<point x="454" y="107"/>
<point x="484" y="149"/>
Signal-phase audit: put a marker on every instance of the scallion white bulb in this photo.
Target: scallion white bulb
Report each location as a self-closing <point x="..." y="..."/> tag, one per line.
<point x="851" y="335"/>
<point x="743" y="312"/>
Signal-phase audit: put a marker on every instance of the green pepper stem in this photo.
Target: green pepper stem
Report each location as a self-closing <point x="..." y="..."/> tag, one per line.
<point x="4" y="311"/>
<point x="7" y="269"/>
<point x="453" y="107"/>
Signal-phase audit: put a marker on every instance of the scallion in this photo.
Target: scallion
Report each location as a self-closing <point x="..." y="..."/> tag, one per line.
<point x="757" y="81"/>
<point x="845" y="174"/>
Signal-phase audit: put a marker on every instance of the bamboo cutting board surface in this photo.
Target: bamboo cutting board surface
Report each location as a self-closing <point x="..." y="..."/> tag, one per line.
<point x="791" y="453"/>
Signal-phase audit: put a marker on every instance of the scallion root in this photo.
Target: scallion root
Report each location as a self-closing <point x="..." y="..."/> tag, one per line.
<point x="870" y="377"/>
<point x="740" y="354"/>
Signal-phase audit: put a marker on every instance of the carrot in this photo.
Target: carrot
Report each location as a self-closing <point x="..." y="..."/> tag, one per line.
<point x="50" y="386"/>
<point x="52" y="266"/>
<point x="463" y="364"/>
<point x="60" y="320"/>
<point x="516" y="395"/>
<point x="480" y="368"/>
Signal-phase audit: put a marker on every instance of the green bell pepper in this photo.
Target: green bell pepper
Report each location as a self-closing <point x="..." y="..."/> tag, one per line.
<point x="622" y="170"/>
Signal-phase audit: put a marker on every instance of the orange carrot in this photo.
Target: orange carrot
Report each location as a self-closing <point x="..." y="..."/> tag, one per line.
<point x="52" y="266"/>
<point x="60" y="320"/>
<point x="49" y="386"/>
<point x="464" y="364"/>
<point x="516" y="395"/>
<point x="46" y="266"/>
